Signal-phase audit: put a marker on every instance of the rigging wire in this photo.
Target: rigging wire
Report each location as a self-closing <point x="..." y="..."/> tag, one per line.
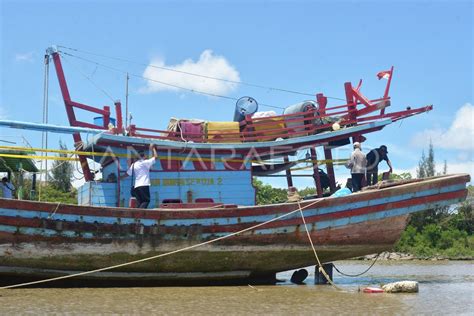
<point x="190" y="73"/>
<point x="90" y="79"/>
<point x="158" y="81"/>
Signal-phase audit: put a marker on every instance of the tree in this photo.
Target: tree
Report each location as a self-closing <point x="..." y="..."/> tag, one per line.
<point x="430" y="167"/>
<point x="61" y="172"/>
<point x="266" y="194"/>
<point x="420" y="171"/>
<point x="427" y="168"/>
<point x="49" y="193"/>
<point x="426" y="165"/>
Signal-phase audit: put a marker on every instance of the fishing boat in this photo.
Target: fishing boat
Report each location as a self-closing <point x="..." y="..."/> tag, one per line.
<point x="203" y="225"/>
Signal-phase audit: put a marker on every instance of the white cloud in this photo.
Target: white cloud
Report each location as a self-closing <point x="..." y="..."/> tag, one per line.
<point x="460" y="135"/>
<point x="462" y="167"/>
<point x="209" y="64"/>
<point x="25" y="57"/>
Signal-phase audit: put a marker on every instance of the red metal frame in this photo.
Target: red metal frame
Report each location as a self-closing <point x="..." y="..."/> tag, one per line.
<point x="70" y="105"/>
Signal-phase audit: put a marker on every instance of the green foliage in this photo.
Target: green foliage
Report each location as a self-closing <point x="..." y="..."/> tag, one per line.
<point x="266" y="194"/>
<point x="426" y="165"/>
<point x="61" y="172"/>
<point x="439" y="231"/>
<point x="449" y="235"/>
<point x="307" y="191"/>
<point x="421" y="171"/>
<point x="427" y="168"/>
<point x="21" y="182"/>
<point x="436" y="240"/>
<point x="49" y="193"/>
<point x="430" y="167"/>
<point x="463" y="219"/>
<point x="395" y="176"/>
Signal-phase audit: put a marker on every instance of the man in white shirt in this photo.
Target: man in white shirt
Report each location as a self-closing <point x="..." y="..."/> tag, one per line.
<point x="357" y="164"/>
<point x="7" y="189"/>
<point x="140" y="171"/>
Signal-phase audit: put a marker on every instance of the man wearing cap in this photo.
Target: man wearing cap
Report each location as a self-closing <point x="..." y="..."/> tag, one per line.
<point x="374" y="157"/>
<point x="140" y="171"/>
<point x="357" y="163"/>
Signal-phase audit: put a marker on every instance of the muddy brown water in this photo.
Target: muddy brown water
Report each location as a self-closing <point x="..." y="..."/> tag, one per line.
<point x="446" y="287"/>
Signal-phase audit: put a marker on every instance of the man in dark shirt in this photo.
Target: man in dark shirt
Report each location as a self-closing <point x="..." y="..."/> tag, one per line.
<point x="374" y="157"/>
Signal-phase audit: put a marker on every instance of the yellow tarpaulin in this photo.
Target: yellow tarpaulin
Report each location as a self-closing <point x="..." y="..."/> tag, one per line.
<point x="223" y="131"/>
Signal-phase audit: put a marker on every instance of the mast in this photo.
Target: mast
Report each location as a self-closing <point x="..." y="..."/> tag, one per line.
<point x="126" y="101"/>
<point x="44" y="135"/>
<point x="53" y="51"/>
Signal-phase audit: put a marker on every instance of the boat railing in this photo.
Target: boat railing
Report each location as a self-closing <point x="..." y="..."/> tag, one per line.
<point x="260" y="129"/>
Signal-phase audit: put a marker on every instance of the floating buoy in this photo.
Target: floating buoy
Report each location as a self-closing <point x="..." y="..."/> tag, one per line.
<point x="401" y="287"/>
<point x="372" y="290"/>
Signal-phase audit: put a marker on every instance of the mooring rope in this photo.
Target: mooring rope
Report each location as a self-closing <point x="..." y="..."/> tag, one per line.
<point x="321" y="269"/>
<point x="299" y="209"/>
<point x="358" y="274"/>
<point x="54" y="212"/>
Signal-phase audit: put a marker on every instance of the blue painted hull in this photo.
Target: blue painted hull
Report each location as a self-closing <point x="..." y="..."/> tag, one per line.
<point x="39" y="240"/>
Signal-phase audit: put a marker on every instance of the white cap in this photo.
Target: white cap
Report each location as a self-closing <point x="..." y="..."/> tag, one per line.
<point x="357" y="145"/>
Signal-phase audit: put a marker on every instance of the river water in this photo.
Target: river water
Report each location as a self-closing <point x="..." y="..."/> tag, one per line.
<point x="446" y="287"/>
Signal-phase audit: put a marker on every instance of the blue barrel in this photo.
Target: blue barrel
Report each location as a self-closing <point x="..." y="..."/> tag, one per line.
<point x="244" y="106"/>
<point x="99" y="120"/>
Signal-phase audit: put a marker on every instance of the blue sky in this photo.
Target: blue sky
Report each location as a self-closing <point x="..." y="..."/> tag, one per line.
<point x="308" y="46"/>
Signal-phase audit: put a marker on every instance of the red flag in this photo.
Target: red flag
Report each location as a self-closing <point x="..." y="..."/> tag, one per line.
<point x="384" y="74"/>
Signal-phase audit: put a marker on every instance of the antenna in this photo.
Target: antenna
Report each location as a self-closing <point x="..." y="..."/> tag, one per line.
<point x="126" y="102"/>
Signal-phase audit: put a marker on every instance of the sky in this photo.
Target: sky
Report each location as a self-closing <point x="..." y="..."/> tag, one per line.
<point x="305" y="46"/>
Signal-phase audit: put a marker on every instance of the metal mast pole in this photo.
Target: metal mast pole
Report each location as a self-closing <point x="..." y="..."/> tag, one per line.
<point x="44" y="138"/>
<point x="126" y="102"/>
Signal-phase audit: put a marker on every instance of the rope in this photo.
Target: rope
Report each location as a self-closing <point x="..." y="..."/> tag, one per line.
<point x="162" y="82"/>
<point x="194" y="74"/>
<point x="190" y="73"/>
<point x="359" y="274"/>
<point x="91" y="81"/>
<point x="38" y="157"/>
<point x="54" y="212"/>
<point x="111" y="154"/>
<point x="321" y="269"/>
<point x="299" y="209"/>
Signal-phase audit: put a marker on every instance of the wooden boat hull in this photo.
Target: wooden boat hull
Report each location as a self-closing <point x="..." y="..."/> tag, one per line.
<point x="40" y="240"/>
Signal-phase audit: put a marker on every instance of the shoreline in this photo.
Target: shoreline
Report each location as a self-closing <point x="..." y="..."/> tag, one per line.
<point x="400" y="256"/>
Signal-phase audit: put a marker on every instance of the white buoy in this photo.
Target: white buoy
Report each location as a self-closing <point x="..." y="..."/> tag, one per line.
<point x="401" y="287"/>
<point x="336" y="126"/>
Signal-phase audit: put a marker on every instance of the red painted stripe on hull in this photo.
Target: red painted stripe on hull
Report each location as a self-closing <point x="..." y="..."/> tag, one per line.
<point x="221" y="213"/>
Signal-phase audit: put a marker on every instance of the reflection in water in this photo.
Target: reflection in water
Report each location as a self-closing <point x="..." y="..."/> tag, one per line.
<point x="445" y="288"/>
